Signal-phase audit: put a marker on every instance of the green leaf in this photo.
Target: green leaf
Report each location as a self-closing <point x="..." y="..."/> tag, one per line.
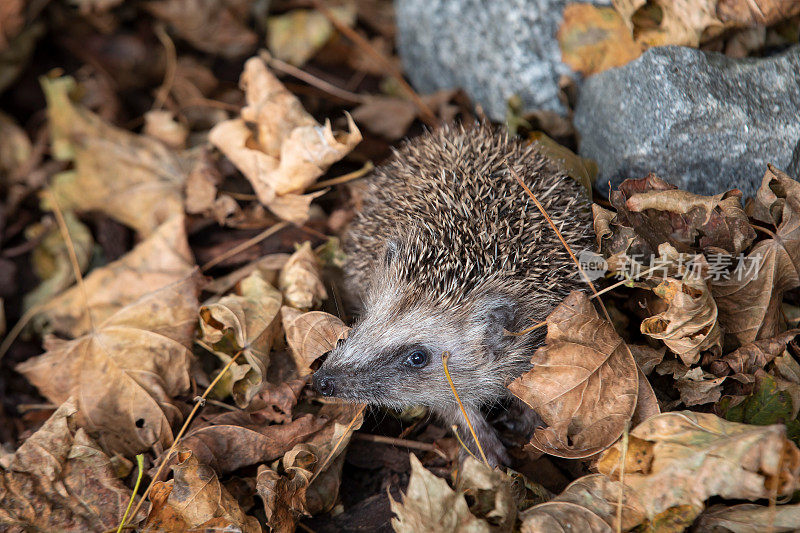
<point x="766" y="405"/>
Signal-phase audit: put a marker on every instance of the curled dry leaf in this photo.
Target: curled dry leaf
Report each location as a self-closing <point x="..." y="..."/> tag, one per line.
<point x="249" y="319"/>
<point x="659" y="213"/>
<point x="584" y="382"/>
<point x="755" y="355"/>
<point x="750" y="518"/>
<point x="680" y="459"/>
<point x="593" y="39"/>
<point x="45" y="488"/>
<point x="51" y="257"/>
<point x="196" y="500"/>
<point x="160" y="260"/>
<point x="125" y="372"/>
<point x="430" y="505"/>
<point x="306" y="480"/>
<point x="689" y="325"/>
<point x="289" y="149"/>
<point x="491" y="492"/>
<point x="148" y="176"/>
<point x="213" y="26"/>
<point x="749" y="300"/>
<point x="311" y="335"/>
<point x="300" y="280"/>
<point x="690" y="22"/>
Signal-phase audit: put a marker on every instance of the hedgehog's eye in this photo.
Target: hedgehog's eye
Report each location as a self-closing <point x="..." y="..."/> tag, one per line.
<point x="417" y="358"/>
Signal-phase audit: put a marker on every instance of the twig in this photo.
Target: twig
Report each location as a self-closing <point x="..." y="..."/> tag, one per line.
<point x="347" y="430"/>
<point x="413" y="444"/>
<point x="20" y="325"/>
<point x="560" y="237"/>
<point x="312" y="80"/>
<point x="426" y="114"/>
<point x="198" y="403"/>
<point x="454" y="428"/>
<point x="169" y="72"/>
<point x="623" y="458"/>
<point x="140" y="464"/>
<point x="526" y="330"/>
<point x="344" y="178"/>
<point x="445" y="358"/>
<point x="245" y="245"/>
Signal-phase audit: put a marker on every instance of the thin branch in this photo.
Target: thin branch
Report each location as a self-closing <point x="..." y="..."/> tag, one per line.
<point x="312" y="80"/>
<point x="245" y="245"/>
<point x="347" y="431"/>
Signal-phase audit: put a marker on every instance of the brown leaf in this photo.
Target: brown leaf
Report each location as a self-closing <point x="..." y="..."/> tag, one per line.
<point x="232" y="440"/>
<point x="161" y="124"/>
<point x="160" y="260"/>
<point x="683" y="458"/>
<point x="59" y="480"/>
<point x="758" y="354"/>
<point x="600" y="495"/>
<point x="659" y="212"/>
<point x="249" y="319"/>
<point x="690" y="22"/>
<point x="705" y="389"/>
<point x="275" y="402"/>
<point x="593" y="39"/>
<point x="300" y="280"/>
<point x="295" y="36"/>
<point x="311" y="335"/>
<point x="12" y="20"/>
<point x="689" y="325"/>
<point x="196" y="500"/>
<point x="125" y="372"/>
<point x="583" y="383"/>
<point x="430" y="505"/>
<point x="647" y="357"/>
<point x="385" y="115"/>
<point x="750" y="518"/>
<point x="749" y="300"/>
<point x="288" y="491"/>
<point x="562" y="517"/>
<point x="148" y="177"/>
<point x="15" y="147"/>
<point x="491" y="493"/>
<point x="213" y="26"/>
<point x="289" y="149"/>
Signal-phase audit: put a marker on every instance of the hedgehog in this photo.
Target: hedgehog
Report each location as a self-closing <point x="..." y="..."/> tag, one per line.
<point x="449" y="254"/>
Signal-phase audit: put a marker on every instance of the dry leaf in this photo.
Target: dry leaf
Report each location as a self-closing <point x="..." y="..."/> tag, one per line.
<point x="213" y="26"/>
<point x="288" y="491"/>
<point x="289" y="149"/>
<point x="681" y="459"/>
<point x="387" y="116"/>
<point x="593" y="39"/>
<point x="749" y="300"/>
<point x="297" y="35"/>
<point x="562" y="517"/>
<point x="59" y="480"/>
<point x="491" y="492"/>
<point x="146" y="189"/>
<point x="232" y="440"/>
<point x="12" y="20"/>
<point x="51" y="258"/>
<point x="161" y="124"/>
<point x="249" y="319"/>
<point x="195" y="500"/>
<point x="15" y="147"/>
<point x="125" y="372"/>
<point x="690" y="22"/>
<point x="703" y="389"/>
<point x="300" y="280"/>
<point x="646" y="357"/>
<point x="160" y="260"/>
<point x="756" y="355"/>
<point x="689" y="325"/>
<point x="750" y="518"/>
<point x="311" y="335"/>
<point x="584" y="382"/>
<point x="430" y="505"/>
<point x="600" y="495"/>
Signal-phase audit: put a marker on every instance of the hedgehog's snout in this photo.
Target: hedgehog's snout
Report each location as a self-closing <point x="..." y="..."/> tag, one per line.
<point x="324" y="384"/>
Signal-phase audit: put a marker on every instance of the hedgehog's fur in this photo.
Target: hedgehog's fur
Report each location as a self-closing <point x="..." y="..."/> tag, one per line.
<point x="448" y="251"/>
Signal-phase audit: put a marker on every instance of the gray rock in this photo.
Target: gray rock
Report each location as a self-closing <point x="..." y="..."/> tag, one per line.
<point x="703" y="121"/>
<point x="492" y="49"/>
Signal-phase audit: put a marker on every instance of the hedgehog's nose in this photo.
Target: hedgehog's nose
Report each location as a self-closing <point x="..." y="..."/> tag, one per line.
<point x="324" y="385"/>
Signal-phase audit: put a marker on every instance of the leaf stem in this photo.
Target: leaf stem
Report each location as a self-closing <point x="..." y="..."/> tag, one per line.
<point x="140" y="464"/>
<point x="445" y="358"/>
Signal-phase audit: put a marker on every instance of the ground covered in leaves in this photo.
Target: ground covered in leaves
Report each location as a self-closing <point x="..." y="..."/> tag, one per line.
<point x="174" y="177"/>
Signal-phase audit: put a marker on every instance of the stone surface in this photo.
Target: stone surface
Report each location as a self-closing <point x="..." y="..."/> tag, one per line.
<point x="492" y="49"/>
<point x="703" y="121"/>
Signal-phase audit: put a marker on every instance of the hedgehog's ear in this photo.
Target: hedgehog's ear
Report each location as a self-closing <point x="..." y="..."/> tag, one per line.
<point x="391" y="253"/>
<point x="497" y="314"/>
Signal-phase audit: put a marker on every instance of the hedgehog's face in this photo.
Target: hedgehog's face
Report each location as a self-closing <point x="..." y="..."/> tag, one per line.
<point x="393" y="356"/>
